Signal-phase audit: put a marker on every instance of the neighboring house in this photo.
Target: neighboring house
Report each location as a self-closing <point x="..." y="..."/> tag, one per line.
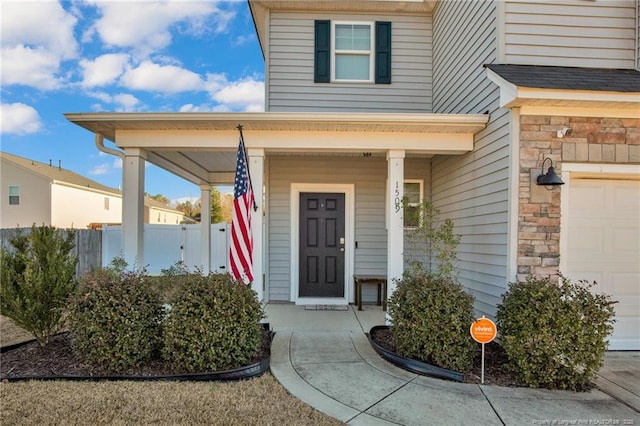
<point x="456" y="102"/>
<point x="34" y="192"/>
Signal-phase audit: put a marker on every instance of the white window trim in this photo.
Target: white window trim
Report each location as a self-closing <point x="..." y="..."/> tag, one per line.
<point x="421" y="194"/>
<point x="371" y="53"/>
<point x="386" y="199"/>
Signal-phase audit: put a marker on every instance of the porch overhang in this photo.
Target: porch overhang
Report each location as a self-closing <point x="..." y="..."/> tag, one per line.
<point x="178" y="142"/>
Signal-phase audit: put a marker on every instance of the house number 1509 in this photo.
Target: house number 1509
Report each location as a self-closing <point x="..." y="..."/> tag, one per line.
<point x="397" y="197"/>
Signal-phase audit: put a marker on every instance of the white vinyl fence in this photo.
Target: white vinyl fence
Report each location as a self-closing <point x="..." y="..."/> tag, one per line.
<point x="164" y="245"/>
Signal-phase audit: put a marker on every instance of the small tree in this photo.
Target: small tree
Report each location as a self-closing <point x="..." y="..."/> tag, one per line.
<point x="435" y="235"/>
<point x="38" y="277"/>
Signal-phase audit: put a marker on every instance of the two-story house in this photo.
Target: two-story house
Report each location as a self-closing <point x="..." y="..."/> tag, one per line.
<point x="463" y="103"/>
<point x="37" y="193"/>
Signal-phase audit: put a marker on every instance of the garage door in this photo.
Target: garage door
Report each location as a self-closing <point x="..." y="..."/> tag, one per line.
<point x="603" y="243"/>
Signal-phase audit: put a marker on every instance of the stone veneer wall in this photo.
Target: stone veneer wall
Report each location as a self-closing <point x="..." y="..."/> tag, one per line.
<point x="591" y="140"/>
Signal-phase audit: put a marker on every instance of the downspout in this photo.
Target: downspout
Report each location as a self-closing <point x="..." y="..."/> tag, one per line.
<point x="100" y="145"/>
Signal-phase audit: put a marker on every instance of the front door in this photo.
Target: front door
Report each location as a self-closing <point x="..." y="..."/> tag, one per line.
<point x="321" y="245"/>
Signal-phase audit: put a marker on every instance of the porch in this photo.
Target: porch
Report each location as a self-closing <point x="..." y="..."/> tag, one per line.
<point x="364" y="159"/>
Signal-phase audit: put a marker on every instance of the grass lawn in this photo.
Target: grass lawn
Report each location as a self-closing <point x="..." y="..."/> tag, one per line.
<point x="260" y="401"/>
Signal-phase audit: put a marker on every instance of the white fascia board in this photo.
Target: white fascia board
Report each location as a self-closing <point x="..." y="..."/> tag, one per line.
<point x="508" y="90"/>
<point x="86" y="188"/>
<point x="287" y="141"/>
<point x="516" y="96"/>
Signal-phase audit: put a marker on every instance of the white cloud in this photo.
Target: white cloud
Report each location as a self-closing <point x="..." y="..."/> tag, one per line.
<point x="36" y="38"/>
<point x="247" y="94"/>
<point x="126" y="102"/>
<point x="146" y="27"/>
<point x="117" y="163"/>
<point x="30" y="67"/>
<point x="123" y="102"/>
<point x="100" y="169"/>
<point x="103" y="70"/>
<point x="161" y="78"/>
<point x="18" y="118"/>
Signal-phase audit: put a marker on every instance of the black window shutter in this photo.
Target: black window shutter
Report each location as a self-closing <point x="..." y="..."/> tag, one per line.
<point x="383" y="53"/>
<point x="322" y="57"/>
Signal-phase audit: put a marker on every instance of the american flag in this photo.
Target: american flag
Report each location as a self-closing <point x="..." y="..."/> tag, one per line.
<point x="241" y="250"/>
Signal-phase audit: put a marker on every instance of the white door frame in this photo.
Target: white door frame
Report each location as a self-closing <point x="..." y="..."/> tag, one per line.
<point x="349" y="222"/>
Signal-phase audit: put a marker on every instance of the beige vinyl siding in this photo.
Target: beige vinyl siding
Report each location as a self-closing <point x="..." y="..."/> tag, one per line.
<point x="369" y="177"/>
<point x="290" y="71"/>
<point x="582" y="33"/>
<point x="35" y="197"/>
<point x="473" y="189"/>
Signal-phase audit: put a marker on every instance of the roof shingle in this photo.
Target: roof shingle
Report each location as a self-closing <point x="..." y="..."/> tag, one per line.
<point x="569" y="78"/>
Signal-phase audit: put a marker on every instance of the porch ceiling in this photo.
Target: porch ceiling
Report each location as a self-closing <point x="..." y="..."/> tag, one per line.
<point x="201" y="147"/>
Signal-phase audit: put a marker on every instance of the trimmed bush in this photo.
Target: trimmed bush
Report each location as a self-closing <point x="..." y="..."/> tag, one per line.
<point x="116" y="319"/>
<point x="214" y="324"/>
<point x="37" y="279"/>
<point x="431" y="316"/>
<point x="555" y="336"/>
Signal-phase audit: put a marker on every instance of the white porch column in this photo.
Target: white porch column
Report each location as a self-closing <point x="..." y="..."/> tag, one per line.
<point x="133" y="206"/>
<point x="256" y="170"/>
<point x="395" y="226"/>
<point x="205" y="228"/>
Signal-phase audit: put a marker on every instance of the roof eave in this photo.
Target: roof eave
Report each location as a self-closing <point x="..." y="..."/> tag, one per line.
<point x="512" y="96"/>
<point x="106" y="124"/>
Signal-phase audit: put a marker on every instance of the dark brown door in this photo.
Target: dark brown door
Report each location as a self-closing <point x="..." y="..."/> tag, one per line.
<point x="321" y="245"/>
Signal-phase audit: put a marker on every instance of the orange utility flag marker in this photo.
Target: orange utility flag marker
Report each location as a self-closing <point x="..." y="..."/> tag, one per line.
<point x="483" y="330"/>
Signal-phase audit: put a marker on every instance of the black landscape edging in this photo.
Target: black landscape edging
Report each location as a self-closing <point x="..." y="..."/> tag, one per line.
<point x="241" y="373"/>
<point x="410" y="364"/>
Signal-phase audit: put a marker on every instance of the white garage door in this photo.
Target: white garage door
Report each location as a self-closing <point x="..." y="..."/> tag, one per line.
<point x="603" y="245"/>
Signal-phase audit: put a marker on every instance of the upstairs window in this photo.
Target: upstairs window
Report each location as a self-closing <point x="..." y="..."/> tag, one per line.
<point x="14" y="195"/>
<point x="106" y="203"/>
<point x="352" y="52"/>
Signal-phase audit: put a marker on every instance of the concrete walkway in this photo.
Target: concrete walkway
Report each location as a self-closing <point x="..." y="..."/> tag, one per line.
<point x="325" y="359"/>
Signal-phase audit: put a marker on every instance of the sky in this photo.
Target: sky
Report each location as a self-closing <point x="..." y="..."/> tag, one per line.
<point x="120" y="56"/>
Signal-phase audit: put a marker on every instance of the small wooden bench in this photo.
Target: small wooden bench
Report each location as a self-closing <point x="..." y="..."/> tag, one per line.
<point x="379" y="280"/>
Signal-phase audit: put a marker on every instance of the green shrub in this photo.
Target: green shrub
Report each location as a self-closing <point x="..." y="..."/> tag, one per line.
<point x="37" y="279"/>
<point x="212" y="325"/>
<point x="555" y="336"/>
<point x="431" y="316"/>
<point x="116" y="318"/>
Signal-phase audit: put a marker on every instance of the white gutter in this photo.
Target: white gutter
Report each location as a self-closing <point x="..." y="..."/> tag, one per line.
<point x="100" y="145"/>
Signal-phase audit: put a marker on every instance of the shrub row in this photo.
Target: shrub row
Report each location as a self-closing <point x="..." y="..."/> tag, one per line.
<point x="554" y="335"/>
<point x="211" y="323"/>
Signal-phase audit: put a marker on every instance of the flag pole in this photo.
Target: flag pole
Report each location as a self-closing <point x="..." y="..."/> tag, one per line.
<point x="244" y="148"/>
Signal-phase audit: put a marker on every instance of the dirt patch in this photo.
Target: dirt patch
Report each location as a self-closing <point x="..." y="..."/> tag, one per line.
<point x="495" y="371"/>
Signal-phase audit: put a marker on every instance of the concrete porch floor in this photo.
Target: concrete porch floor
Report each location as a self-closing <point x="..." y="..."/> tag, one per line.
<point x="324" y="358"/>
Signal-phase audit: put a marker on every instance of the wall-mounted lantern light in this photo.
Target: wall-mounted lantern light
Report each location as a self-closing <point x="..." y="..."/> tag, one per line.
<point x="550" y="178"/>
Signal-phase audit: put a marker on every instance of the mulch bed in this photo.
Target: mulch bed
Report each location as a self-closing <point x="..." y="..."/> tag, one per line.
<point x="58" y="359"/>
<point x="495" y="359"/>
